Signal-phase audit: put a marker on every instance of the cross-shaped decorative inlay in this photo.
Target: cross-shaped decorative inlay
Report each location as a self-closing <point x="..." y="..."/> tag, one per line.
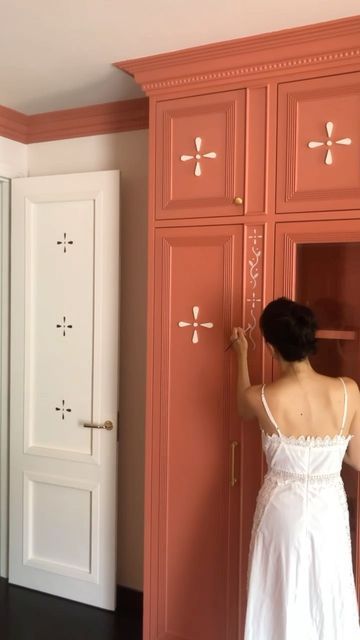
<point x="255" y="237"/>
<point x="65" y="242"/>
<point x="63" y="409"/>
<point x="64" y="326"/>
<point x="313" y="144"/>
<point x="253" y="300"/>
<point x="197" y="157"/>
<point x="195" y="324"/>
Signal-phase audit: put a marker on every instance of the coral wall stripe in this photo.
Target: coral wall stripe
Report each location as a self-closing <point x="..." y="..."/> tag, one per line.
<point x="112" y="117"/>
<point x="13" y="124"/>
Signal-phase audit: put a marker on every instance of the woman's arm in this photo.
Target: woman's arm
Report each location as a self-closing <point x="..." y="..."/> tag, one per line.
<point x="243" y="387"/>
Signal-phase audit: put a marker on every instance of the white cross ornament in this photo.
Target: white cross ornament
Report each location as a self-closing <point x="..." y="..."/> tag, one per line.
<point x="313" y="144"/>
<point x="197" y="157"/>
<point x="196" y="325"/>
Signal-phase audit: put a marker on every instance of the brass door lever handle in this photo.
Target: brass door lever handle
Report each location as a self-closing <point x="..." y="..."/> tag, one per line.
<point x="108" y="425"/>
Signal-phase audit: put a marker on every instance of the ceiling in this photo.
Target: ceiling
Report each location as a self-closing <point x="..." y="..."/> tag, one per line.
<point x="58" y="54"/>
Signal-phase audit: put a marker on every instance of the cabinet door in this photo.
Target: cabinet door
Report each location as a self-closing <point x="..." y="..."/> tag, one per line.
<point x="318" y="264"/>
<point x="319" y="144"/>
<point x="200" y="156"/>
<point x="192" y="527"/>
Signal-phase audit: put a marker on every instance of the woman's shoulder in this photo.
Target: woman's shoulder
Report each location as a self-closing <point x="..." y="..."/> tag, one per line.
<point x="317" y="379"/>
<point x="350" y="383"/>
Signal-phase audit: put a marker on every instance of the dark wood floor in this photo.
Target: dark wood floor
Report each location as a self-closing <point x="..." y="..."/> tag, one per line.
<point x="29" y="615"/>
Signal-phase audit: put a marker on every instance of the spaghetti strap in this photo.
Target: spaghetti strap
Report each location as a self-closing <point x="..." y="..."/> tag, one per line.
<point x="345" y="407"/>
<point x="268" y="412"/>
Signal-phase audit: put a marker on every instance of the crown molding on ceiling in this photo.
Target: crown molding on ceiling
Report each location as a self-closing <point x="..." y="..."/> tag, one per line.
<point x="112" y="117"/>
<point x="329" y="44"/>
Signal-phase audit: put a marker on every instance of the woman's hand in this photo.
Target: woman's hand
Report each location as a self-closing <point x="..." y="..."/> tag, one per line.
<point x="240" y="346"/>
<point x="239" y="341"/>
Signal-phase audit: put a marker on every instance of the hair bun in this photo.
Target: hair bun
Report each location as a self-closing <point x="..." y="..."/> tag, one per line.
<point x="300" y="318"/>
<point x="290" y="327"/>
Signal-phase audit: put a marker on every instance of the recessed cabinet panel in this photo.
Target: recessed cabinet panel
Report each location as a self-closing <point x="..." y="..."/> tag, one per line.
<point x="200" y="156"/>
<point x="319" y="144"/>
<point x="196" y="463"/>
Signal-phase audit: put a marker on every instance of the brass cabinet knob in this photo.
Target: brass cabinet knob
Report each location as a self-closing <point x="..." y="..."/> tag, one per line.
<point x="238" y="201"/>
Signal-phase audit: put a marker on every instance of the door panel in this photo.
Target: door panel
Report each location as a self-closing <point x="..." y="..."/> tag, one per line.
<point x="64" y="364"/>
<point x="194" y="522"/>
<point x="318" y="263"/>
<point x="318" y="144"/>
<point x="60" y="328"/>
<point x="200" y="163"/>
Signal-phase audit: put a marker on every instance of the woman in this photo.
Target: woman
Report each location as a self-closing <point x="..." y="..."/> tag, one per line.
<point x="300" y="580"/>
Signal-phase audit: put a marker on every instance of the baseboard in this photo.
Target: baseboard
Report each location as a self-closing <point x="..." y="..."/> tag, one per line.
<point x="130" y="601"/>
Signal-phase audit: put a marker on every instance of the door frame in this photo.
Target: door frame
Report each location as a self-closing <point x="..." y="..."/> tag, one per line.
<point x="4" y="370"/>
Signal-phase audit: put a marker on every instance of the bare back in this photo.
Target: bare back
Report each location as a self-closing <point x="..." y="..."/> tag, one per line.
<point x="307" y="405"/>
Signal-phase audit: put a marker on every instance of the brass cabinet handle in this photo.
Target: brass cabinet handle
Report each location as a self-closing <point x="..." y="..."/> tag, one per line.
<point x="238" y="200"/>
<point x="108" y="425"/>
<point x="234" y="479"/>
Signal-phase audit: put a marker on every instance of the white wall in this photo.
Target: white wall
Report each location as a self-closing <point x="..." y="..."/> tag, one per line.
<point x="13" y="158"/>
<point x="128" y="153"/>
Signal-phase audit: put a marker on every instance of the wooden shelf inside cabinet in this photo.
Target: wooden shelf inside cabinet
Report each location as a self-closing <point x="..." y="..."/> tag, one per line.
<point x="336" y="334"/>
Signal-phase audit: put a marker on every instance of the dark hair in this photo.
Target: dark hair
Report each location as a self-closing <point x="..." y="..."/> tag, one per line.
<point x="290" y="328"/>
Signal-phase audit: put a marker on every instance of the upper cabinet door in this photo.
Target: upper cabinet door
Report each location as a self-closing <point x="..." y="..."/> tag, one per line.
<point x="200" y="156"/>
<point x="319" y="144"/>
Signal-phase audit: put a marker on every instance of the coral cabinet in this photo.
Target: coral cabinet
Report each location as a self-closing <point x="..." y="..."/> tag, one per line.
<point x="254" y="192"/>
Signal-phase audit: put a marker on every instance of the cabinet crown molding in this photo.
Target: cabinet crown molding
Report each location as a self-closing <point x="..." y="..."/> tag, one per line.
<point x="325" y="45"/>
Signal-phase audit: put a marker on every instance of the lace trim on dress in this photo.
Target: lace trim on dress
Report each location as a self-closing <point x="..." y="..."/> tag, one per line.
<point x="317" y="441"/>
<point x="286" y="477"/>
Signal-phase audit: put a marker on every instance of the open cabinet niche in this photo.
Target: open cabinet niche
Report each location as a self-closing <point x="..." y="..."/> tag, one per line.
<point x="327" y="280"/>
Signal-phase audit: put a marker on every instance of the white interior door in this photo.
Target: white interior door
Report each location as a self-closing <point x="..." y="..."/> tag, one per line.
<point x="64" y="375"/>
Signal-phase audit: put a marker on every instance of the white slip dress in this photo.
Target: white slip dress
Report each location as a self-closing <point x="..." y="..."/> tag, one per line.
<point x="300" y="579"/>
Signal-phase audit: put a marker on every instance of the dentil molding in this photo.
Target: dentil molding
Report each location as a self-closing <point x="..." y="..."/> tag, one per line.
<point x="329" y="44"/>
